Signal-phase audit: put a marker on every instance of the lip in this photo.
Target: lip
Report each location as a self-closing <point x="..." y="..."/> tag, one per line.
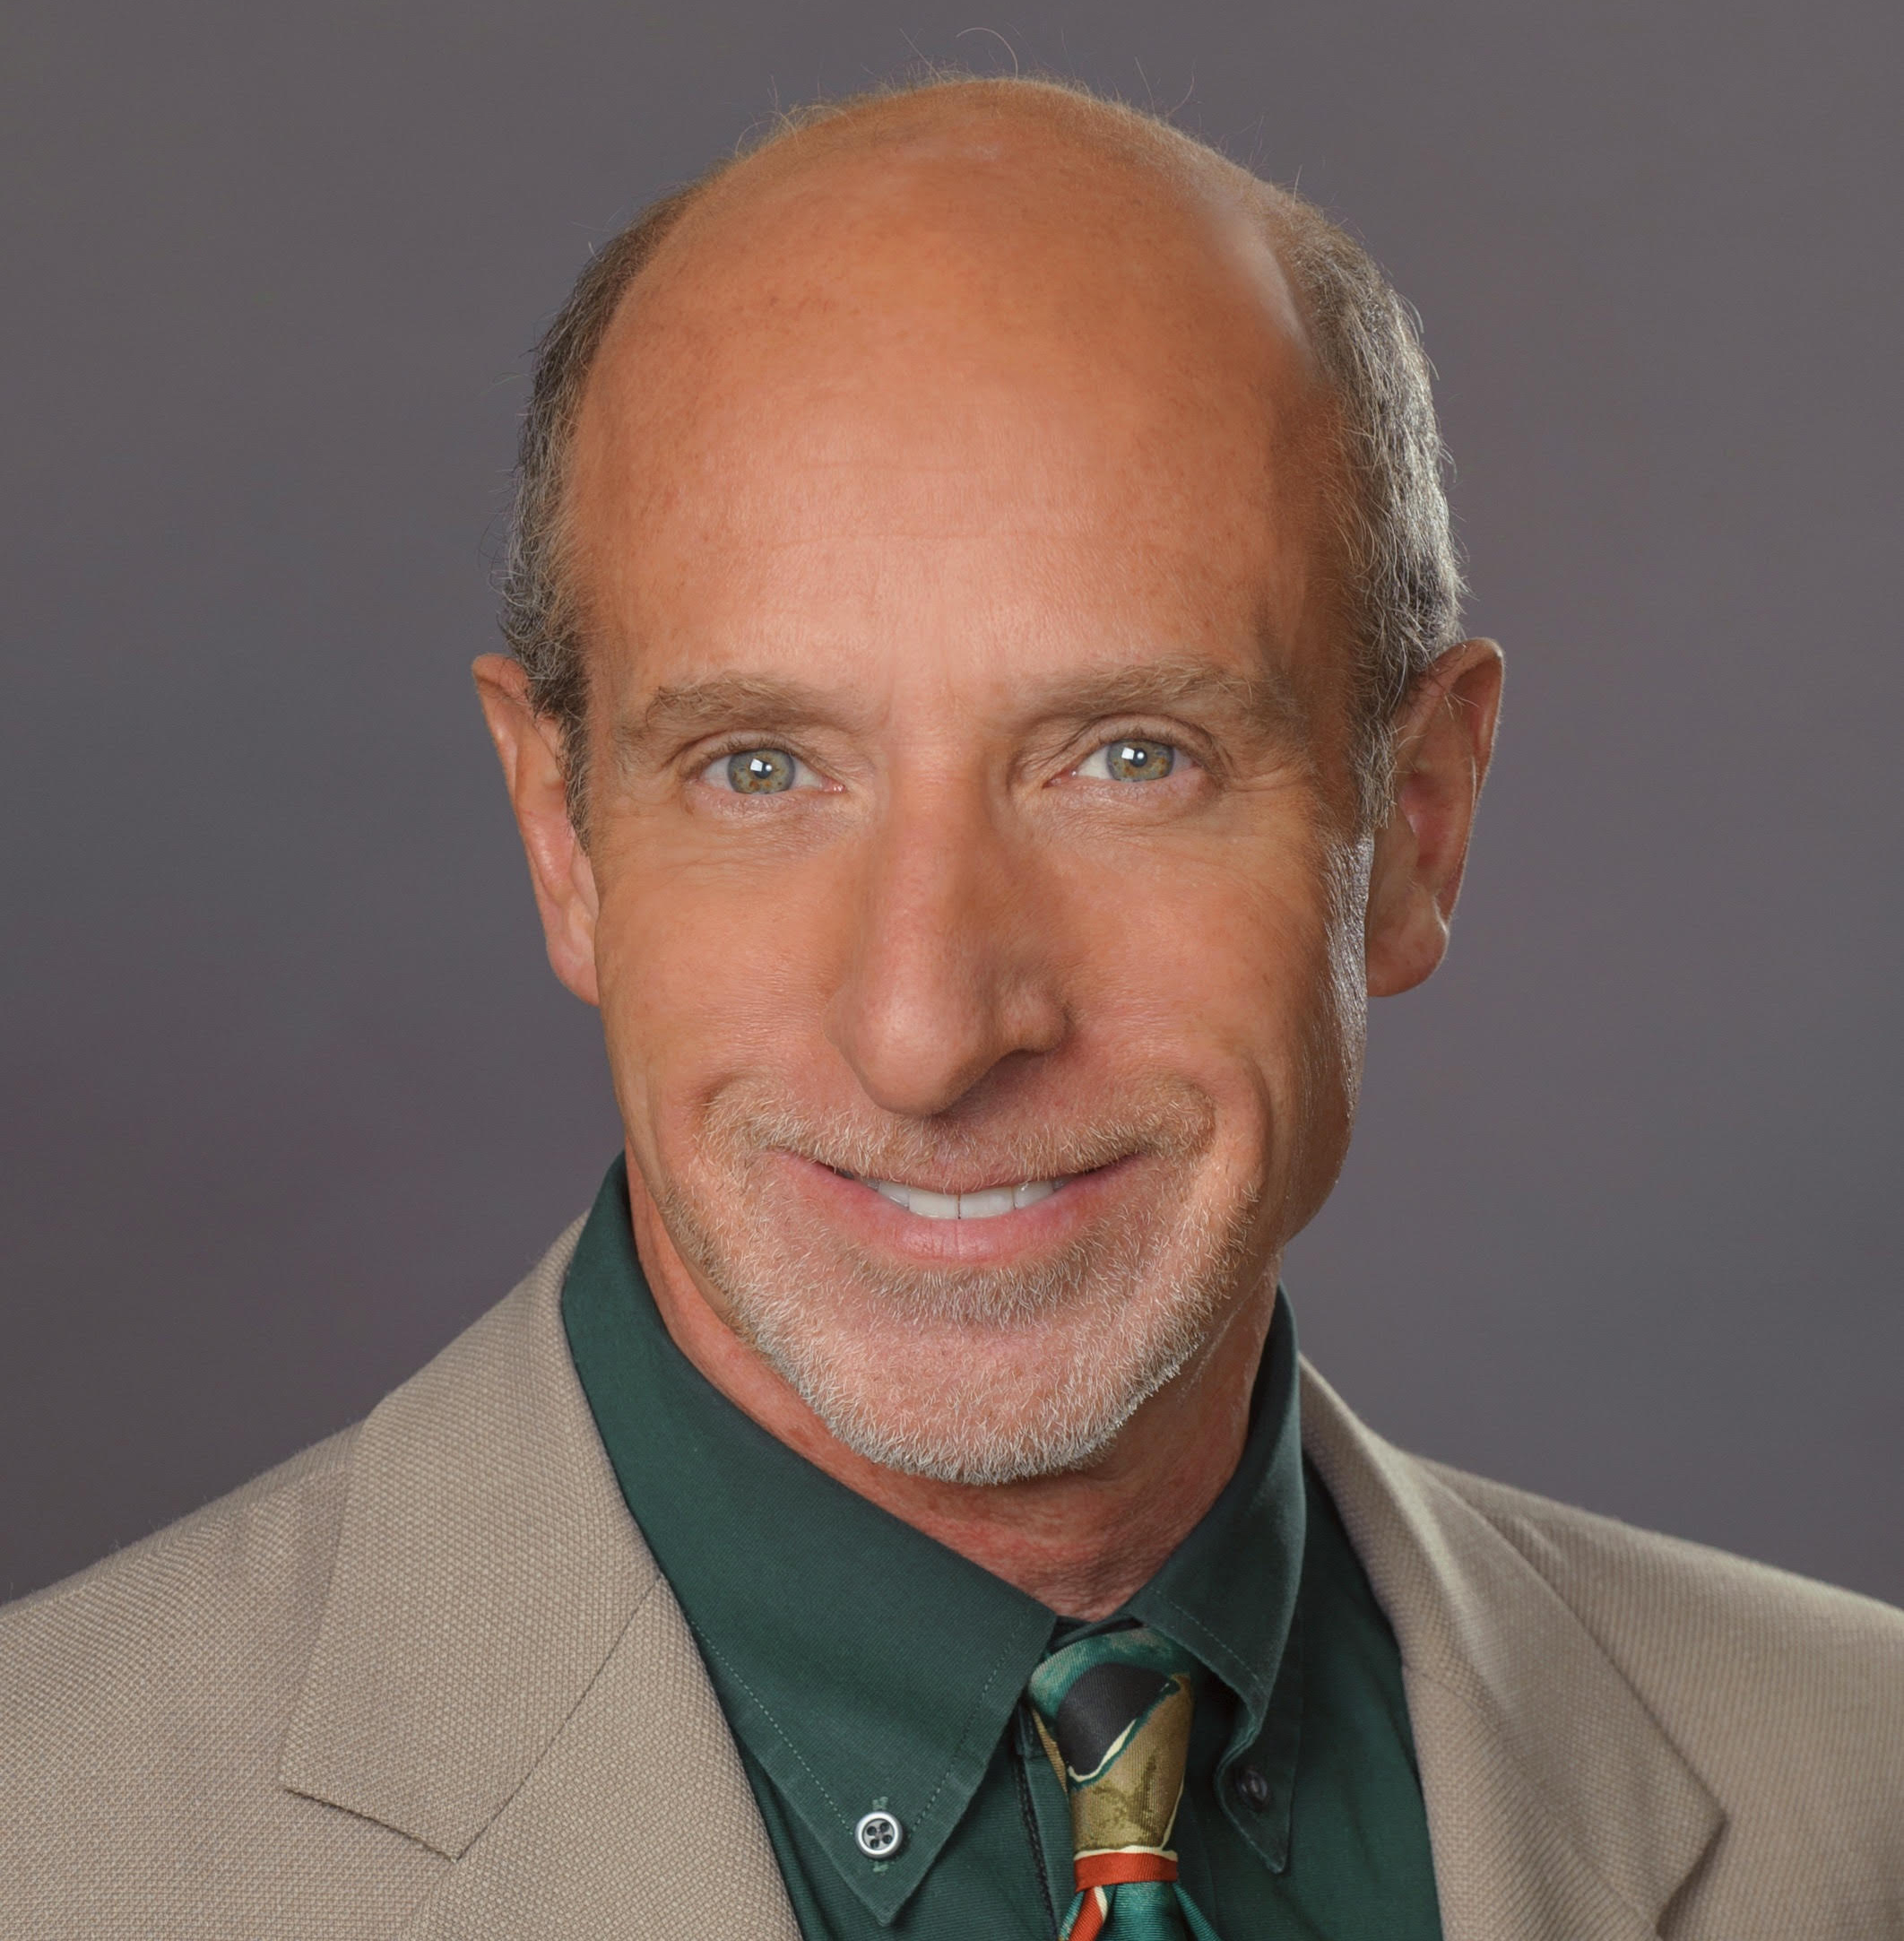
<point x="862" y="1215"/>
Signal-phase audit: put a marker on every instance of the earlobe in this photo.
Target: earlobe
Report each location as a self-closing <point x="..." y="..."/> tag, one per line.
<point x="1443" y="744"/>
<point x="529" y="747"/>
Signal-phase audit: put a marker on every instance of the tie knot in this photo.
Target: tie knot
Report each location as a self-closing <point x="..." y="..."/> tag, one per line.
<point x="1115" y="1713"/>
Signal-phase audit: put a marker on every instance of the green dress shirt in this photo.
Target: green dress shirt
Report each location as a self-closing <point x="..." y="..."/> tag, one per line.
<point x="865" y="1668"/>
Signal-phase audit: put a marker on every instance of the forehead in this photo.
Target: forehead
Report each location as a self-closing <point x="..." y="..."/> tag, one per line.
<point x="969" y="336"/>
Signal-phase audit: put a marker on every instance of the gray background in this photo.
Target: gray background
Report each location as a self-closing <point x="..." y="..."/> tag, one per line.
<point x="289" y="1095"/>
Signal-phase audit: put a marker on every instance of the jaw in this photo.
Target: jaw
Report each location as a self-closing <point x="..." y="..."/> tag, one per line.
<point x="972" y="1351"/>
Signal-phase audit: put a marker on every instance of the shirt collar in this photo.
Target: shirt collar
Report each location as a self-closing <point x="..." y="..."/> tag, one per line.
<point x="863" y="1665"/>
<point x="1228" y="1593"/>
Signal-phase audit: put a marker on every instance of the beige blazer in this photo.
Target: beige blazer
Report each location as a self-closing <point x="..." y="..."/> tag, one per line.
<point x="424" y="1680"/>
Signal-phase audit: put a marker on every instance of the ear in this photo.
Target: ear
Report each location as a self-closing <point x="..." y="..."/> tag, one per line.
<point x="1442" y="749"/>
<point x="529" y="747"/>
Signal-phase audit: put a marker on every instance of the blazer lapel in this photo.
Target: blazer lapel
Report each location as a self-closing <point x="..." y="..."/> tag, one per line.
<point x="1558" y="1810"/>
<point x="501" y="1673"/>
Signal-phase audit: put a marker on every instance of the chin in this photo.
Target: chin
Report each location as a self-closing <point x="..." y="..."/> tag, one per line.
<point x="1036" y="1408"/>
<point x="981" y="1374"/>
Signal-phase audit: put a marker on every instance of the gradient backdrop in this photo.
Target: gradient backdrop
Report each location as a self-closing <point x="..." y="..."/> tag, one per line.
<point x="289" y="1095"/>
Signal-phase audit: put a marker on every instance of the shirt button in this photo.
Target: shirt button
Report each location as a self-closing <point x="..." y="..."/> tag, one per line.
<point x="878" y="1836"/>
<point x="1252" y="1787"/>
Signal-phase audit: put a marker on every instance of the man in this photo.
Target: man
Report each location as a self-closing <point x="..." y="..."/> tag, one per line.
<point x="987" y="709"/>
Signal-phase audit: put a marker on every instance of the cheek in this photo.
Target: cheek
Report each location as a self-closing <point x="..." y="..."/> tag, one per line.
<point x="706" y="971"/>
<point x="1242" y="975"/>
<point x="1236" y="951"/>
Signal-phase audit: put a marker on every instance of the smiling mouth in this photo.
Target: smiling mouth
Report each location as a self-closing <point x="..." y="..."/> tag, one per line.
<point x="987" y="1204"/>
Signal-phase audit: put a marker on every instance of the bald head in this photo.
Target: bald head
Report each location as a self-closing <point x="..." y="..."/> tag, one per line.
<point x="1011" y="261"/>
<point x="979" y="165"/>
<point x="984" y="224"/>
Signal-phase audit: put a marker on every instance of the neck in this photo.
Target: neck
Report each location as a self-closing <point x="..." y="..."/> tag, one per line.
<point x="1080" y="1542"/>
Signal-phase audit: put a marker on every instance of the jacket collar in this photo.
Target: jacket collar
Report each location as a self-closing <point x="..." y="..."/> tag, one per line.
<point x="501" y="1674"/>
<point x="1556" y="1805"/>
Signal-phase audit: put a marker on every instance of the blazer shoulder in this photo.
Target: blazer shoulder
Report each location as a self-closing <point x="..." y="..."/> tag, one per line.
<point x="1759" y="1673"/>
<point x="147" y="1705"/>
<point x="242" y="1577"/>
<point x="1648" y="1577"/>
<point x="142" y="1710"/>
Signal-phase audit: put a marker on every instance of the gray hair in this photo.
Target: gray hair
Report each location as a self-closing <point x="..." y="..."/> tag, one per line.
<point x="1400" y="569"/>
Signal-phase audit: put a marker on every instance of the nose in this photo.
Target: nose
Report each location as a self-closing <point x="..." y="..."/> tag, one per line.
<point x="950" y="971"/>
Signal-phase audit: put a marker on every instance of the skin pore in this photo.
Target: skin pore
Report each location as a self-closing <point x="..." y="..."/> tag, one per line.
<point x="971" y="809"/>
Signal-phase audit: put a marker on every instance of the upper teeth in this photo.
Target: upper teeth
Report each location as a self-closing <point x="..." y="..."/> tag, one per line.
<point x="984" y="1205"/>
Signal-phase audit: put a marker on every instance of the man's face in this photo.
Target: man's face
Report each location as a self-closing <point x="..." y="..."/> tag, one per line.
<point x="978" y="928"/>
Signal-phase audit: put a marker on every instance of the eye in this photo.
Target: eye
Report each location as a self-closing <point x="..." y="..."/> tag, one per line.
<point x="758" y="771"/>
<point x="1127" y="760"/>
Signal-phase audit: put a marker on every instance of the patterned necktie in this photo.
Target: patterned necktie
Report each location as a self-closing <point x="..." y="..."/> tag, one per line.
<point x="1115" y="1713"/>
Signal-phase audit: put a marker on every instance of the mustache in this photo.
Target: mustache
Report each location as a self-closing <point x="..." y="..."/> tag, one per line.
<point x="1167" y="1120"/>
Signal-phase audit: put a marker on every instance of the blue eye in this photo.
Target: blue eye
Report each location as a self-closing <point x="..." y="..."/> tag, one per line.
<point x="758" y="771"/>
<point x="1129" y="760"/>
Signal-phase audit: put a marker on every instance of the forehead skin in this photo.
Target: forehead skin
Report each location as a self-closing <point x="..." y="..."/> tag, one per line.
<point x="944" y="317"/>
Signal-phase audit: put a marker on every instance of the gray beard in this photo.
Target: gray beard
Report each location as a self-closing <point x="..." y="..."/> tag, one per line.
<point x="975" y="1375"/>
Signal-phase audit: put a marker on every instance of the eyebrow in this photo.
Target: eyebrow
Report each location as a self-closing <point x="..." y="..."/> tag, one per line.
<point x="684" y="710"/>
<point x="1266" y="705"/>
